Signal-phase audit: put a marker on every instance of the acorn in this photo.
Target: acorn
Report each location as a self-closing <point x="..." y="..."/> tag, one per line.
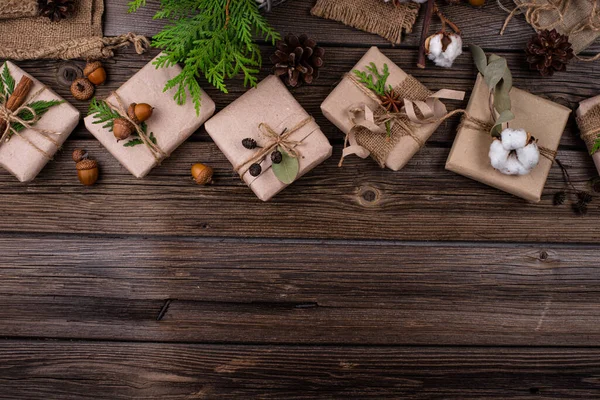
<point x="79" y="154"/>
<point x="255" y="169"/>
<point x="82" y="89"/>
<point x="202" y="174"/>
<point x="95" y="72"/>
<point x="122" y="128"/>
<point x="87" y="171"/>
<point x="139" y="112"/>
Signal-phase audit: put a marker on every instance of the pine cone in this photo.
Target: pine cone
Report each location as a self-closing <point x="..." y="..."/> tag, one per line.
<point x="549" y="51"/>
<point x="56" y="9"/>
<point x="298" y="58"/>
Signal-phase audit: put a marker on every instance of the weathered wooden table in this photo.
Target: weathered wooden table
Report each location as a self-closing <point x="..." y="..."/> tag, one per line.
<point x="355" y="282"/>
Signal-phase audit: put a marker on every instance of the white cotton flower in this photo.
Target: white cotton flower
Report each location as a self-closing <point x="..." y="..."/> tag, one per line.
<point x="511" y="154"/>
<point x="443" y="48"/>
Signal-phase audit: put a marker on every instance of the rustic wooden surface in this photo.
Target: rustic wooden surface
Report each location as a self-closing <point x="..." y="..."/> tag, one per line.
<point x="352" y="283"/>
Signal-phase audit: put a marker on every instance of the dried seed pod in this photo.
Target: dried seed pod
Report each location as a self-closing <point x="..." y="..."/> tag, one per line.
<point x="255" y="169"/>
<point x="202" y="174"/>
<point x="249" y="143"/>
<point x="82" y="89"/>
<point x="87" y="171"/>
<point x="122" y="128"/>
<point x="95" y="72"/>
<point x="79" y="154"/>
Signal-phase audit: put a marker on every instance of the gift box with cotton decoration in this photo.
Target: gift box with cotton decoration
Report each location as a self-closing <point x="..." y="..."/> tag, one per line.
<point x="508" y="137"/>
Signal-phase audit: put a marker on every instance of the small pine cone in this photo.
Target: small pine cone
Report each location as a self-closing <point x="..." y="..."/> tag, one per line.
<point x="249" y="143"/>
<point x="297" y="59"/>
<point x="56" y="9"/>
<point x="559" y="198"/>
<point x="549" y="51"/>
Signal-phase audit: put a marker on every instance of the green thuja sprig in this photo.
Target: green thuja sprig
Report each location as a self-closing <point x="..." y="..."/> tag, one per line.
<point x="210" y="42"/>
<point x="596" y="147"/>
<point x="103" y="114"/>
<point x="8" y="82"/>
<point x="376" y="82"/>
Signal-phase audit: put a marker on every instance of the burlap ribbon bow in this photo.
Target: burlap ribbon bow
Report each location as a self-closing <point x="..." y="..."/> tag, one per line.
<point x="156" y="151"/>
<point x="10" y="118"/>
<point x="368" y="135"/>
<point x="273" y="141"/>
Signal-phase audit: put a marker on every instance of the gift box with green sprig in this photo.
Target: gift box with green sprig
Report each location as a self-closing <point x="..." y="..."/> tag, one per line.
<point x="34" y="123"/>
<point x="508" y="138"/>
<point x="269" y="138"/>
<point x="588" y="120"/>
<point x="141" y="143"/>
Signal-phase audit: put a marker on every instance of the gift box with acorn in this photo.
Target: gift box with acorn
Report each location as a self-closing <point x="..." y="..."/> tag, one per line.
<point x="34" y="123"/>
<point x="269" y="138"/>
<point x="140" y="124"/>
<point x="508" y="137"/>
<point x="384" y="112"/>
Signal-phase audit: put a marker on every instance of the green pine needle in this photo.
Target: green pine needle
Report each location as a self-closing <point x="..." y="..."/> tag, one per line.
<point x="103" y="114"/>
<point x="199" y="36"/>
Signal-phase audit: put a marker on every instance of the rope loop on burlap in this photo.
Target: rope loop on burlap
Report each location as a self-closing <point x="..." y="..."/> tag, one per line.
<point x="157" y="152"/>
<point x="12" y="117"/>
<point x="141" y="43"/>
<point x="275" y="140"/>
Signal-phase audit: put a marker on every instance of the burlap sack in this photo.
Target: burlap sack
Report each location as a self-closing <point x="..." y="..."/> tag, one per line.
<point x="18" y="8"/>
<point x="577" y="21"/>
<point x="79" y="36"/>
<point x="383" y="19"/>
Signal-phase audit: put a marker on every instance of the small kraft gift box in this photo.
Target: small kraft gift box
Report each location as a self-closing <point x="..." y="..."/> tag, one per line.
<point x="384" y="112"/>
<point x="513" y="149"/>
<point x="268" y="137"/>
<point x="588" y="120"/>
<point x="34" y="123"/>
<point x="155" y="139"/>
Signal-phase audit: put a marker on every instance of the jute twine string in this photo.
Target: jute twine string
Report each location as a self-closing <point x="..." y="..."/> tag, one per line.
<point x="275" y="140"/>
<point x="12" y="117"/>
<point x="156" y="151"/>
<point x="140" y="42"/>
<point x="533" y="13"/>
<point x="589" y="125"/>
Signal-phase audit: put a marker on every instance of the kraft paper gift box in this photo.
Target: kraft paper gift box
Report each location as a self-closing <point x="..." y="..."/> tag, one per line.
<point x="271" y="104"/>
<point x="541" y="118"/>
<point x="24" y="160"/>
<point x="348" y="94"/>
<point x="588" y="120"/>
<point x="170" y="123"/>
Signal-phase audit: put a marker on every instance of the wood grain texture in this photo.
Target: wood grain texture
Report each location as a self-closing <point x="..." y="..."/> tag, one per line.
<point x="285" y="292"/>
<point x="77" y="370"/>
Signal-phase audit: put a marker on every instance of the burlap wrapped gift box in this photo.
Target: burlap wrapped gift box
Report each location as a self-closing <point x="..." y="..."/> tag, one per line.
<point x="170" y="123"/>
<point x="543" y="119"/>
<point x="272" y="104"/>
<point x="347" y="95"/>
<point x="18" y="156"/>
<point x="588" y="120"/>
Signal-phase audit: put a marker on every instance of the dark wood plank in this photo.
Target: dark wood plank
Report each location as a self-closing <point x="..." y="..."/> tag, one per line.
<point x="360" y="201"/>
<point x="283" y="292"/>
<point x="479" y="25"/>
<point x="42" y="370"/>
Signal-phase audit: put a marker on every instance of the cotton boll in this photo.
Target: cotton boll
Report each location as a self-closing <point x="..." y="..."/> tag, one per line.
<point x="529" y="156"/>
<point x="498" y="154"/>
<point x="443" y="48"/>
<point x="512" y="166"/>
<point x="513" y="139"/>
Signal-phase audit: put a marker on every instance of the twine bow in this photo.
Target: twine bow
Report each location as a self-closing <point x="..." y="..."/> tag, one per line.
<point x="379" y="121"/>
<point x="12" y="117"/>
<point x="156" y="151"/>
<point x="275" y="140"/>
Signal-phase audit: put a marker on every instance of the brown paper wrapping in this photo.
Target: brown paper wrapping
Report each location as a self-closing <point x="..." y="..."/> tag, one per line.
<point x="346" y="94"/>
<point x="19" y="157"/>
<point x="171" y="124"/>
<point x="584" y="107"/>
<point x="541" y="118"/>
<point x="270" y="103"/>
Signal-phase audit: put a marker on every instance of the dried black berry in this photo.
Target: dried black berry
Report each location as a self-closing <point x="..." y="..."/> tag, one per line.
<point x="255" y="169"/>
<point x="249" y="143"/>
<point x="276" y="157"/>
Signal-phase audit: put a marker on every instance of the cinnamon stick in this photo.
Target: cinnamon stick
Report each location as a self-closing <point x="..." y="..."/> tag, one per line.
<point x="17" y="98"/>
<point x="428" y="14"/>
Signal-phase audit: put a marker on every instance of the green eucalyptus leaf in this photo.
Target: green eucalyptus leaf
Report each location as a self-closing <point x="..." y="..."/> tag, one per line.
<point x="479" y="58"/>
<point x="504" y="116"/>
<point x="287" y="170"/>
<point x="493" y="57"/>
<point x="507" y="80"/>
<point x="494" y="72"/>
<point x="501" y="98"/>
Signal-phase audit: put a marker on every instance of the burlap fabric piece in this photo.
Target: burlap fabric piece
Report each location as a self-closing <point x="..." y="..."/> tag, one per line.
<point x="576" y="12"/>
<point x="588" y="124"/>
<point x="39" y="38"/>
<point x="18" y="8"/>
<point x="379" y="145"/>
<point x="383" y="19"/>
